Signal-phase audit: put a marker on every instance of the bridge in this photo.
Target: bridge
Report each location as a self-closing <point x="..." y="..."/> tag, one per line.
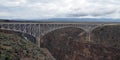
<point x="40" y="29"/>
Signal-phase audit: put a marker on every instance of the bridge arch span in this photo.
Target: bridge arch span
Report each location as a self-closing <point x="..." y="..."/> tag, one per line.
<point x="62" y="27"/>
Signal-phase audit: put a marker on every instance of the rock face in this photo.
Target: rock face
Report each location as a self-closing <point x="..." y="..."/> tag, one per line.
<point x="71" y="44"/>
<point x="13" y="47"/>
<point x="108" y="36"/>
<point x="64" y="43"/>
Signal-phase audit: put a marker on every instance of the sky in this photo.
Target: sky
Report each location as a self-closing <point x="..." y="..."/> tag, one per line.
<point x="37" y="9"/>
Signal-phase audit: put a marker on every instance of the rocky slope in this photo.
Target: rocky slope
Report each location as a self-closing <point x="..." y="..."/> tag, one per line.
<point x="13" y="47"/>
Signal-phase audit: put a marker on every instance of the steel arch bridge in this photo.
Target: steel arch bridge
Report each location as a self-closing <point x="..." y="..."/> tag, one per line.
<point x="40" y="29"/>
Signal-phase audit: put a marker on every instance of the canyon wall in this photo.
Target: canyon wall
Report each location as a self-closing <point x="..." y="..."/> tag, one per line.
<point x="71" y="44"/>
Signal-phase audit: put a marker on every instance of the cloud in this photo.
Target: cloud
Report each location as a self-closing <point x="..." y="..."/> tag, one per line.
<point x="91" y="12"/>
<point x="60" y="8"/>
<point x="12" y="2"/>
<point x="4" y="14"/>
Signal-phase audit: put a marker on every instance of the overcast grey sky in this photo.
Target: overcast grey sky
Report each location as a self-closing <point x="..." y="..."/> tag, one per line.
<point x="30" y="9"/>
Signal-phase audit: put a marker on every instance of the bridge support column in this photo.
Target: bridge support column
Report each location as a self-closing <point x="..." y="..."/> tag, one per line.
<point x="38" y="41"/>
<point x="88" y="36"/>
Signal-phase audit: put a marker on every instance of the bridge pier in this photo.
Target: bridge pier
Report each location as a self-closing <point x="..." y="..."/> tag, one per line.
<point x="38" y="41"/>
<point x="88" y="36"/>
